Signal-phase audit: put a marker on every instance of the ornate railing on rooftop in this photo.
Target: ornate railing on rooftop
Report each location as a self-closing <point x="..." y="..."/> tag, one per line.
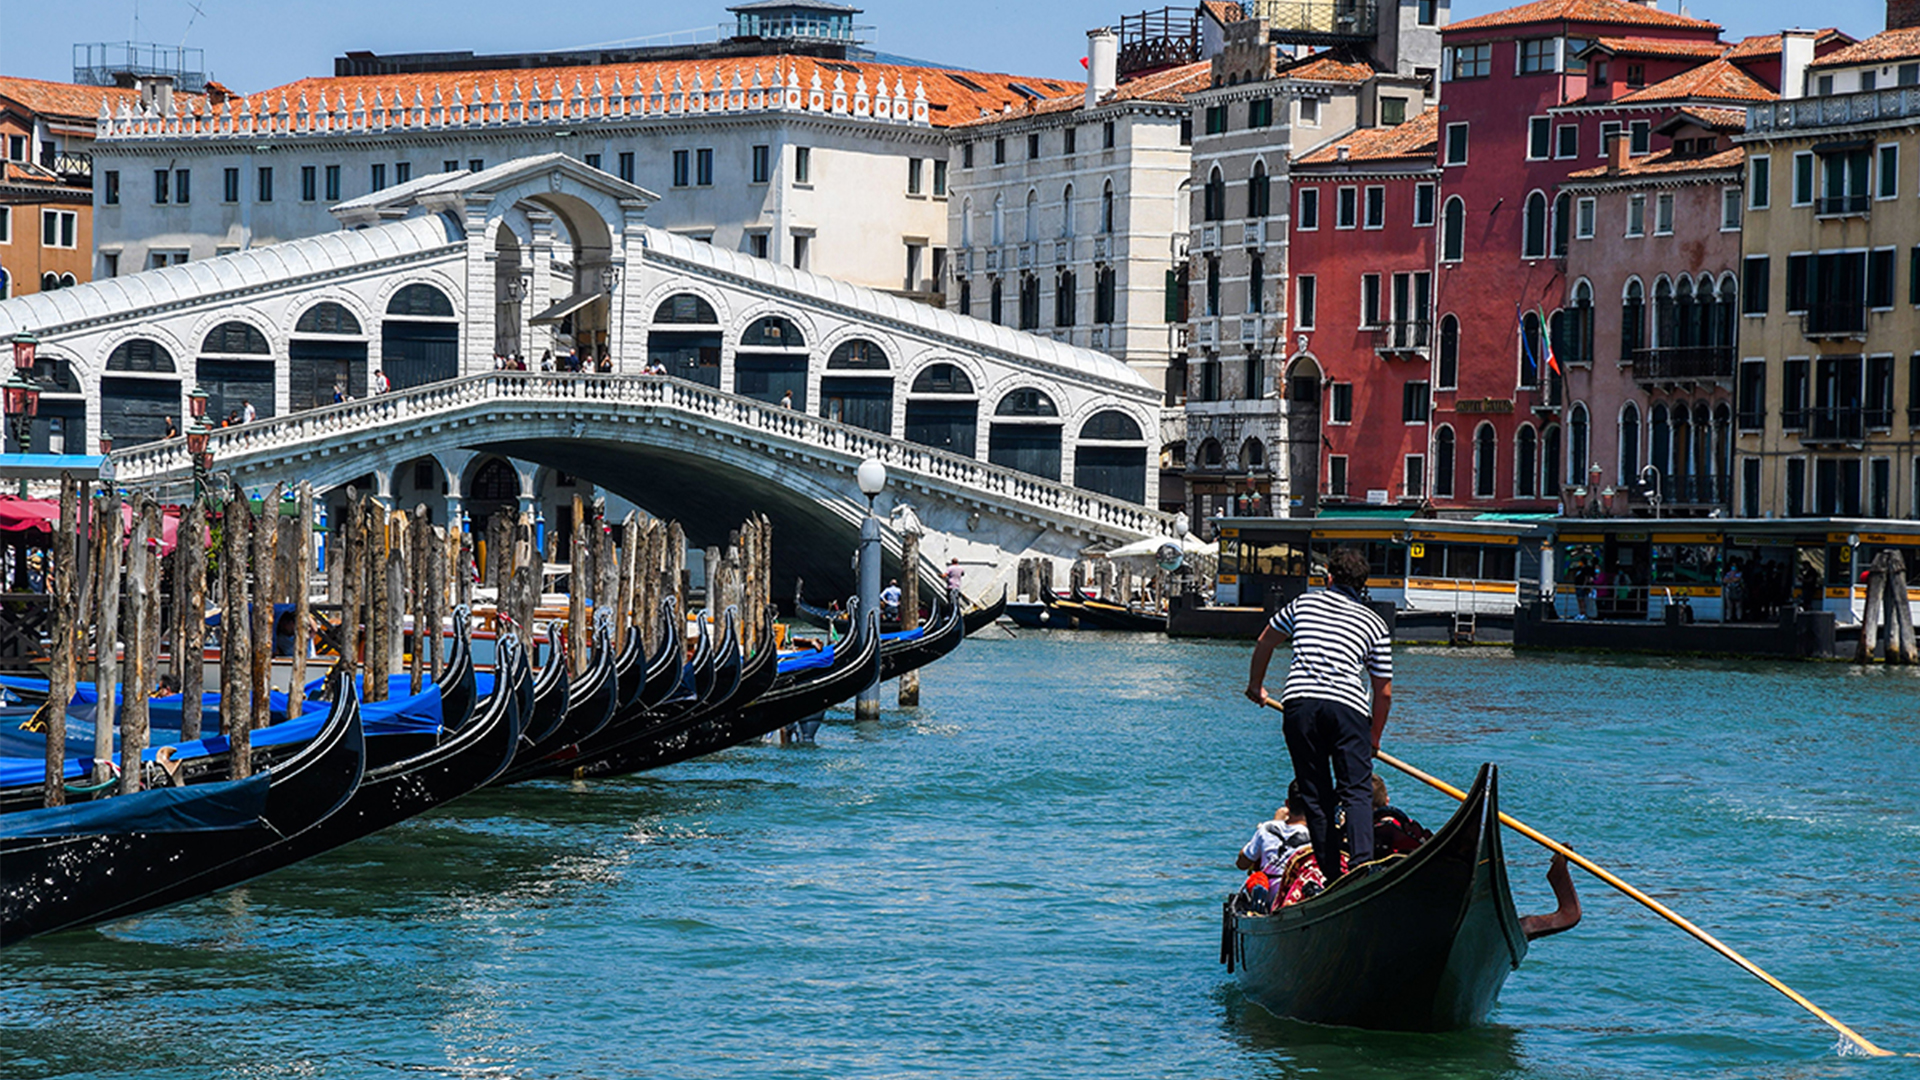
<point x="1316" y="21"/>
<point x="1839" y="110"/>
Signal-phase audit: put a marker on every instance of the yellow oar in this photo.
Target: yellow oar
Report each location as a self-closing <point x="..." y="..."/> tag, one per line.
<point x="1649" y="902"/>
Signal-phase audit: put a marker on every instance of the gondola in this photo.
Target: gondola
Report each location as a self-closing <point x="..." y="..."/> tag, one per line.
<point x="664" y="666"/>
<point x="549" y="707"/>
<point x="982" y="617"/>
<point x="589" y="706"/>
<point x="1422" y="944"/>
<point x="74" y="866"/>
<point x="625" y="724"/>
<point x="942" y="634"/>
<point x="1102" y="615"/>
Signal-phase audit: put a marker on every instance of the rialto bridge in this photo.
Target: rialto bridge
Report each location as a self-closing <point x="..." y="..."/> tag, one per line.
<point x="708" y="382"/>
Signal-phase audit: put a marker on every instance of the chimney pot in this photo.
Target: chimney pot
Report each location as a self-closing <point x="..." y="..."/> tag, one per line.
<point x="1103" y="64"/>
<point x="1619" y="152"/>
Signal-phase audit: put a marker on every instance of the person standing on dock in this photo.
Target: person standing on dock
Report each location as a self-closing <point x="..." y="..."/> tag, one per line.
<point x="1333" y="723"/>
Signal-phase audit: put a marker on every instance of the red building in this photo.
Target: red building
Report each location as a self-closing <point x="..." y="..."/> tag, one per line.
<point x="1362" y="246"/>
<point x="1497" y="439"/>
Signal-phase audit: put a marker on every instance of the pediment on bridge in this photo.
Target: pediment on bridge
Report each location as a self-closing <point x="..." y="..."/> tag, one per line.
<point x="556" y="174"/>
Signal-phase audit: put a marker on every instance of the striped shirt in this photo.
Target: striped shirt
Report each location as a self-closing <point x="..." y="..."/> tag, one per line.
<point x="1337" y="643"/>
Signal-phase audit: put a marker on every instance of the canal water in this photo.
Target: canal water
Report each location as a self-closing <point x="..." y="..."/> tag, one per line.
<point x="1022" y="879"/>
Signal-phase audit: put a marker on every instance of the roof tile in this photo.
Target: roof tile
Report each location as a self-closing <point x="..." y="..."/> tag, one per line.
<point x="1889" y="45"/>
<point x="1641" y="46"/>
<point x="1417" y="139"/>
<point x="1666" y="163"/>
<point x="1611" y="12"/>
<point x="1720" y="80"/>
<point x="65" y="99"/>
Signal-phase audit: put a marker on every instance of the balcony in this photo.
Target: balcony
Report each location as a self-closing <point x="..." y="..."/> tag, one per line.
<point x="1254" y="235"/>
<point x="1684" y="364"/>
<point x="1103" y="249"/>
<point x="1841" y="319"/>
<point x="1843" y="205"/>
<point x="1027" y="256"/>
<point x="1835" y="424"/>
<point x="1410" y="338"/>
<point x="1317" y="22"/>
<point x="1697" y="490"/>
<point x="1209" y="237"/>
<point x="72" y="165"/>
<point x="1249" y="329"/>
<point x="1841" y="110"/>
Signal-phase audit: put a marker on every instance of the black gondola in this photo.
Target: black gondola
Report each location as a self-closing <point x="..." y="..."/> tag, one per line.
<point x="664" y="667"/>
<point x="50" y="883"/>
<point x="943" y="633"/>
<point x="589" y="706"/>
<point x="1102" y="615"/>
<point x="982" y="617"/>
<point x="1423" y="944"/>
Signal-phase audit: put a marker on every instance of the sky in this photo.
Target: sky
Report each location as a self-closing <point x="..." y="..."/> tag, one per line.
<point x="257" y="45"/>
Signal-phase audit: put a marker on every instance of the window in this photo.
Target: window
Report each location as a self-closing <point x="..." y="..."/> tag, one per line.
<point x="1423" y="196"/>
<point x="1879" y="396"/>
<point x="1069" y="140"/>
<point x="1880" y="278"/>
<point x="1376" y="208"/>
<point x="449" y="166"/>
<point x="1369" y="301"/>
<point x="1609" y="131"/>
<point x="1793" y="394"/>
<point x="1337" y="475"/>
<point x="58" y="228"/>
<point x="162" y="184"/>
<point x="682" y="168"/>
<point x="1843" y="182"/>
<point x="1309" y="209"/>
<point x="16" y="148"/>
<point x="1758" y="270"/>
<point x="1413" y="403"/>
<point x="1066" y="293"/>
<point x="1259" y="192"/>
<point x="1413" y="476"/>
<point x="1106" y="207"/>
<point x="1033" y="145"/>
<point x="309" y="183"/>
<point x="1443" y="463"/>
<point x="703" y="168"/>
<point x="1538" y="55"/>
<point x="1637" y="215"/>
<point x="1534" y="242"/>
<point x="476" y="164"/>
<point x="377" y="176"/>
<point x="1447" y="367"/>
<point x="403" y="170"/>
<point x="1802" y="179"/>
<point x="230" y="185"/>
<point x="1309" y="112"/>
<point x="1730" y="210"/>
<point x="1346" y="208"/>
<point x="1306" y="293"/>
<point x="803" y="251"/>
<point x="1485" y="465"/>
<point x="6" y="227"/>
<point x="182" y="186"/>
<point x="1216" y="117"/>
<point x="803" y="164"/>
<point x="110" y="193"/>
<point x="999" y="151"/>
<point x="1629" y="444"/>
<point x="757" y="244"/>
<point x="1105" y="296"/>
<point x="1342" y="403"/>
<point x="916" y="254"/>
<point x="1584" y="212"/>
<point x="1260" y="113"/>
<point x="1798" y="285"/>
<point x="1913" y="277"/>
<point x="263" y="184"/>
<point x="1526" y="462"/>
<point x="1453" y="235"/>
<point x="1909" y="75"/>
<point x="1759" y="182"/>
<point x="1888" y="182"/>
<point x="626" y="166"/>
<point x="333" y="182"/>
<point x="1393" y="111"/>
<point x="1426" y="12"/>
<point x="1796" y="487"/>
<point x="1213" y="197"/>
<point x="939" y="178"/>
<point x="1663" y="214"/>
<point x="762" y="157"/>
<point x="1752" y="395"/>
<point x="966" y="155"/>
<point x="1913" y="393"/>
<point x="1213" y="285"/>
<point x="1640" y="136"/>
<point x="1539" y="137"/>
<point x="1456" y="144"/>
<point x="1106" y="135"/>
<point x="1470" y="62"/>
<point x="1566" y="141"/>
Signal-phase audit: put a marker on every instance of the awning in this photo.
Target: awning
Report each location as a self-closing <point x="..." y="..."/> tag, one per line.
<point x="565" y="308"/>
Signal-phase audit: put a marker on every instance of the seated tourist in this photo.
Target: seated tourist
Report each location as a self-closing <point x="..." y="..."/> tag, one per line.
<point x="1394" y="830"/>
<point x="1273" y="841"/>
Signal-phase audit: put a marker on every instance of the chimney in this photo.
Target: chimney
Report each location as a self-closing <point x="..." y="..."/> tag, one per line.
<point x="156" y="93"/>
<point x="1619" y="151"/>
<point x="1796" y="52"/>
<point x="1903" y="14"/>
<point x="1103" y="64"/>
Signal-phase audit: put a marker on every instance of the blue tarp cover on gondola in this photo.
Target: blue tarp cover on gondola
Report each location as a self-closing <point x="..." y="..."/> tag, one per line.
<point x="232" y="804"/>
<point x="806" y="660"/>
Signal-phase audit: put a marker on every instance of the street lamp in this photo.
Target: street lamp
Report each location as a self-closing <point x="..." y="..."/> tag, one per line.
<point x="1653" y="488"/>
<point x="872" y="477"/>
<point x="197" y="435"/>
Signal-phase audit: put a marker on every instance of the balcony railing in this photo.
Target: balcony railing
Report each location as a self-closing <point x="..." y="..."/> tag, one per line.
<point x="1842" y="424"/>
<point x="1697" y="490"/>
<point x="1316" y="21"/>
<point x="1834" y="319"/>
<point x="1402" y="337"/>
<point x="72" y="165"/>
<point x="1684" y="363"/>
<point x="1843" y="204"/>
<point x="1840" y="110"/>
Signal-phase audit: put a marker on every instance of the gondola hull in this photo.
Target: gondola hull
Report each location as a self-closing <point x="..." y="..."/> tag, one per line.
<point x="1425" y="944"/>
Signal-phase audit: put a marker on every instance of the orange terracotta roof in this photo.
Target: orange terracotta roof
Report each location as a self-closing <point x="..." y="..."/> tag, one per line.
<point x="1224" y="12"/>
<point x="1762" y="46"/>
<point x="65" y="99"/>
<point x="953" y="97"/>
<point x="1417" y="139"/>
<point x="1666" y="163"/>
<point x="1712" y="119"/>
<point x="1720" y="80"/>
<point x="1172" y="85"/>
<point x="1639" y="46"/>
<point x="1891" y="45"/>
<point x="1609" y="12"/>
<point x="1327" y="67"/>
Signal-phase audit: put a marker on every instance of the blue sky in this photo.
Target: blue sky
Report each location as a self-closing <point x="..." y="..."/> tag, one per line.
<point x="254" y="45"/>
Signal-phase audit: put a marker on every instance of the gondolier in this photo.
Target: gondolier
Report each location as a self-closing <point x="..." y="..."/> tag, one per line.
<point x="1334" y="719"/>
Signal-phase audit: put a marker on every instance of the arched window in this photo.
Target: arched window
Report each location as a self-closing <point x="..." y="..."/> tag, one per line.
<point x="999" y="220"/>
<point x="1485" y="461"/>
<point x="857" y="354"/>
<point x="1029" y="301"/>
<point x="1453" y="231"/>
<point x="421" y="301"/>
<point x="1660" y="443"/>
<point x="1526" y="463"/>
<point x="686" y="309"/>
<point x="1105" y="296"/>
<point x="692" y="353"/>
<point x="1723" y="449"/>
<point x="1066" y="211"/>
<point x="1210" y="454"/>
<point x="1580" y="335"/>
<point x="1259" y="192"/>
<point x="1562" y="223"/>
<point x="235" y="338"/>
<point x="1629" y="443"/>
<point x="1213" y="285"/>
<point x="1550" y="462"/>
<point x="1664" y="335"/>
<point x="1724" y="314"/>
<point x="49" y="281"/>
<point x="1116" y="470"/>
<point x="1111" y="425"/>
<point x="942" y="379"/>
<point x="1633" y="320"/>
<point x="966" y="222"/>
<point x="1577" y="445"/>
<point x="1025" y="435"/>
<point x="1253" y="456"/>
<point x="1448" y="375"/>
<point x="1686" y="321"/>
<point x="1256" y="284"/>
<point x="1443" y="462"/>
<point x="772" y="332"/>
<point x="1534" y="227"/>
<point x="1530" y="350"/>
<point x="1033" y="216"/>
<point x="135" y="410"/>
<point x="996" y="299"/>
<point x="327" y="317"/>
<point x="1065" y="298"/>
<point x="141" y="355"/>
<point x="1106" y="208"/>
<point x="1213" y="204"/>
<point x="1026" y="403"/>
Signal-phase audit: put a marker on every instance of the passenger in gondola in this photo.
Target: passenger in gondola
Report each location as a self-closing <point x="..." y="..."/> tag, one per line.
<point x="1276" y="840"/>
<point x="890" y="600"/>
<point x="1394" y="830"/>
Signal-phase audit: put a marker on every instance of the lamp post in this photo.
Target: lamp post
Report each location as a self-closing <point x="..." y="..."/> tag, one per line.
<point x="23" y="395"/>
<point x="197" y="436"/>
<point x="872" y="476"/>
<point x="1653" y="488"/>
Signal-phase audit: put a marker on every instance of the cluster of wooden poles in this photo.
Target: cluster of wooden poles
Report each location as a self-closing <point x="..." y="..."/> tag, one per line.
<point x="1888" y="611"/>
<point x="386" y="570"/>
<point x="1106" y="579"/>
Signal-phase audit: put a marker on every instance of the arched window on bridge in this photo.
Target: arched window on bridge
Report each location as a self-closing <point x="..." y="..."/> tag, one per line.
<point x="1026" y="434"/>
<point x="1111" y="456"/>
<point x="140" y="390"/>
<point x="864" y="400"/>
<point x="419" y="338"/>
<point x="771" y="362"/>
<point x="327" y="357"/>
<point x="942" y="411"/>
<point x="691" y="349"/>
<point x="235" y="367"/>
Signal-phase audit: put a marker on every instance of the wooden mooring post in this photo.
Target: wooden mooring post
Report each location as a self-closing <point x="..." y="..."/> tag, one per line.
<point x="106" y="629"/>
<point x="142" y="636"/>
<point x="235" y="635"/>
<point x="910" y="609"/>
<point x="190" y="629"/>
<point x="66" y="636"/>
<point x="1887" y="611"/>
<point x="301" y="587"/>
<point x="266" y="552"/>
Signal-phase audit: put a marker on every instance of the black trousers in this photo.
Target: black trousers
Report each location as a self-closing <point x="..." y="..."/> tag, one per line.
<point x="1332" y="749"/>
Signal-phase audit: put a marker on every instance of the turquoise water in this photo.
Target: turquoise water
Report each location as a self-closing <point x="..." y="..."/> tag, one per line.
<point x="1022" y="878"/>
